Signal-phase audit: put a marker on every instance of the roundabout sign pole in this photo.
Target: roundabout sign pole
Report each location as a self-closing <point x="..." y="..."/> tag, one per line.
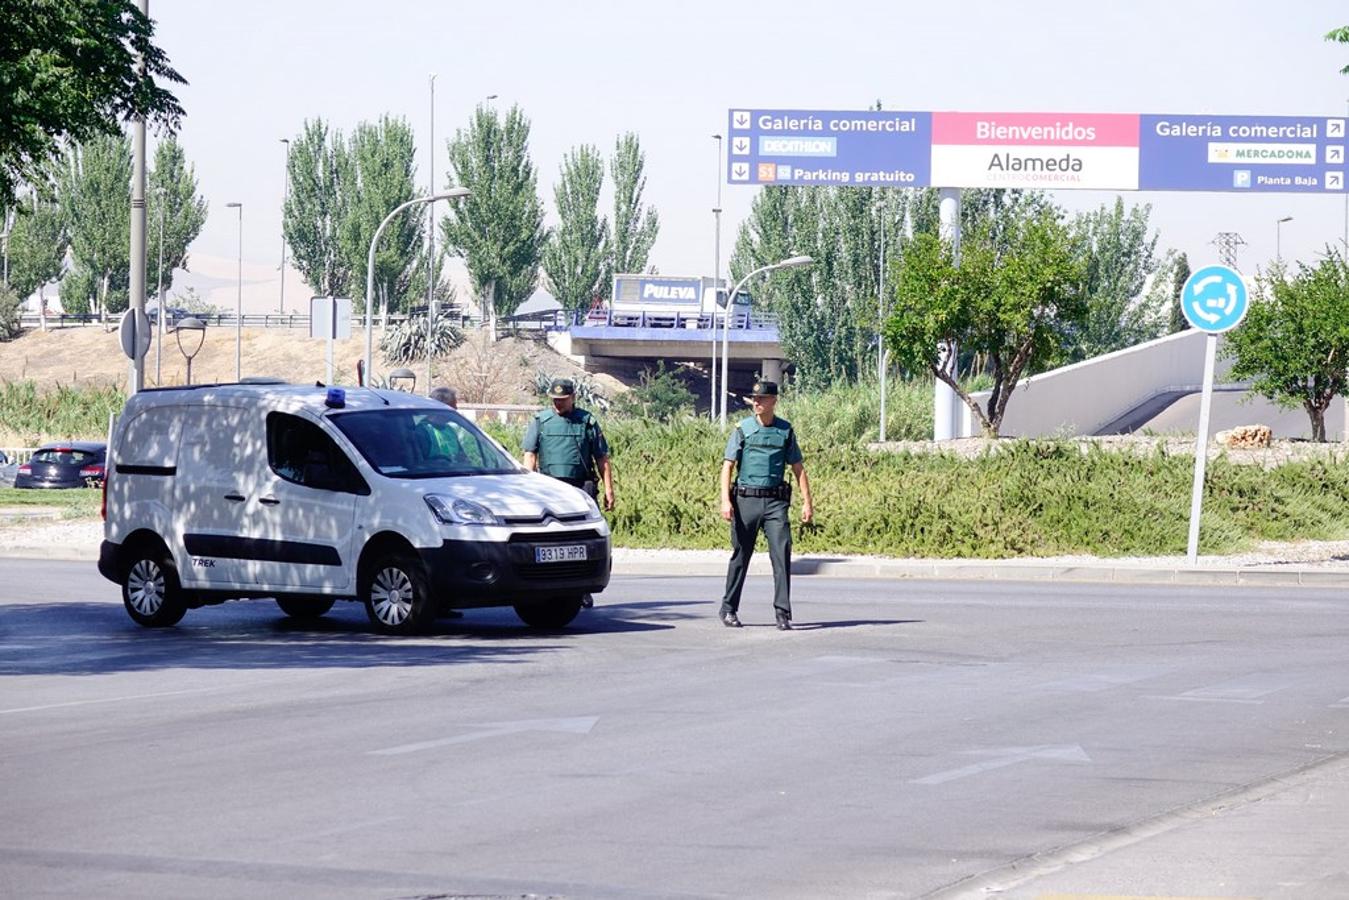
<point x="1214" y="300"/>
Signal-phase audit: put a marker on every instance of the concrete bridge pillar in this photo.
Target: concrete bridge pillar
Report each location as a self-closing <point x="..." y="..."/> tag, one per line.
<point x="771" y="370"/>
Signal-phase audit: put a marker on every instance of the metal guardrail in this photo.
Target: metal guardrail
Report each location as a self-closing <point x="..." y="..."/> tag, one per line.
<point x="18" y="454"/>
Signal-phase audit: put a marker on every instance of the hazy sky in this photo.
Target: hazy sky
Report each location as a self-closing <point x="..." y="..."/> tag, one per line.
<point x="587" y="70"/>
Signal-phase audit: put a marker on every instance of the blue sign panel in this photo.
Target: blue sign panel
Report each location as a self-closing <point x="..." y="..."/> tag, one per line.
<point x="802" y="147"/>
<point x="1214" y="299"/>
<point x="1242" y="153"/>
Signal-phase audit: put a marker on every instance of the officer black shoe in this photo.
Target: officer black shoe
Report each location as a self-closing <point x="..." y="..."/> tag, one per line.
<point x="587" y="601"/>
<point x="784" y="623"/>
<point x="730" y="620"/>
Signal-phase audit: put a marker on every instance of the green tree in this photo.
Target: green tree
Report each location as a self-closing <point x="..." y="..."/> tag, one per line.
<point x="1013" y="299"/>
<point x="11" y="323"/>
<point x="95" y="192"/>
<point x="576" y="257"/>
<point x="828" y="313"/>
<point x="171" y="194"/>
<point x="635" y="226"/>
<point x="320" y="173"/>
<point x="1340" y="35"/>
<point x="37" y="246"/>
<point x="68" y="71"/>
<point x="381" y="176"/>
<point x="1294" y="343"/>
<point x="1179" y="275"/>
<point x="498" y="230"/>
<point x="1120" y="258"/>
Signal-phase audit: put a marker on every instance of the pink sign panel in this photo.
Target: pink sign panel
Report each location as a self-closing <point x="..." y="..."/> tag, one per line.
<point x="1035" y="129"/>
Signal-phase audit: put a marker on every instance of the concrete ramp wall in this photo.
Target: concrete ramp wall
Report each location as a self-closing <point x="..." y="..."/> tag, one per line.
<point x="1085" y="397"/>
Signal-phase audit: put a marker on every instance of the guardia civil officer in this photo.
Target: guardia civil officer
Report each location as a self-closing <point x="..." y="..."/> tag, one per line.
<point x="760" y="450"/>
<point x="567" y="443"/>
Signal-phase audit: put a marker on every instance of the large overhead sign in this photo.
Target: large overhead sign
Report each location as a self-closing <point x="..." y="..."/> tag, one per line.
<point x="1105" y="151"/>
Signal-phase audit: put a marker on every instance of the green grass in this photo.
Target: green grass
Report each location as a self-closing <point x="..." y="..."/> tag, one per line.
<point x="75" y="503"/>
<point x="29" y="417"/>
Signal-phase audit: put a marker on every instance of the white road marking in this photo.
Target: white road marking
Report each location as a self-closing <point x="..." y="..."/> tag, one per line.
<point x="1239" y="690"/>
<point x="123" y="699"/>
<point x="1009" y="756"/>
<point x="579" y="725"/>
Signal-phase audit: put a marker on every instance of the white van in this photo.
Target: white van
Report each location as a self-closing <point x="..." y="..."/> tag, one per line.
<point x="310" y="495"/>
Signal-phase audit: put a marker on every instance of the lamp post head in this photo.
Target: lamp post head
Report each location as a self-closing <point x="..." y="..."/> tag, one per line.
<point x="452" y="194"/>
<point x="194" y="327"/>
<point x="1285" y="219"/>
<point x="403" y="374"/>
<point x="795" y="262"/>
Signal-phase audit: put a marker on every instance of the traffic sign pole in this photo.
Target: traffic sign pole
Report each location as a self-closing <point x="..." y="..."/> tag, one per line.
<point x="1201" y="448"/>
<point x="1214" y="300"/>
<point x="943" y="397"/>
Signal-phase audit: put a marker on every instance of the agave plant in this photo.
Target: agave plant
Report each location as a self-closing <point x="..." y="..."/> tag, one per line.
<point x="406" y="341"/>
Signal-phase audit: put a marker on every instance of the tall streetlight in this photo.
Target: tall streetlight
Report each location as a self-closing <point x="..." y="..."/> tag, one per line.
<point x="431" y="244"/>
<point x="452" y="194"/>
<point x="1278" y="237"/>
<point x="716" y="286"/>
<point x="239" y="300"/>
<point x="792" y="262"/>
<point x="159" y="290"/>
<point x="285" y="200"/>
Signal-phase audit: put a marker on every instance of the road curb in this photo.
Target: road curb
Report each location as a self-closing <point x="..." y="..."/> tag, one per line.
<point x="677" y="563"/>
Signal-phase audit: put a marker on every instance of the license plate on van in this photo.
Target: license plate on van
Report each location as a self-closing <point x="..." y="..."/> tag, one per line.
<point x="564" y="553"/>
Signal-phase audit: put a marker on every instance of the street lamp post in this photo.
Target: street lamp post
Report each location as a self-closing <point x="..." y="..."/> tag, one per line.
<point x="792" y="262"/>
<point x="452" y="194"/>
<point x="285" y="200"/>
<point x="431" y="245"/>
<point x="1278" y="237"/>
<point x="159" y="292"/>
<point x="195" y="327"/>
<point x="239" y="300"/>
<point x="716" y="287"/>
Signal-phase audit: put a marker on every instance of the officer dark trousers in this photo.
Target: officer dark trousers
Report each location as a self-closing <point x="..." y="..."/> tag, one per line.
<point x="751" y="514"/>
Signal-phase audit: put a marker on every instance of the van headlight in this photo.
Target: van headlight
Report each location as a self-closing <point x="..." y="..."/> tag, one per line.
<point x="593" y="513"/>
<point x="456" y="511"/>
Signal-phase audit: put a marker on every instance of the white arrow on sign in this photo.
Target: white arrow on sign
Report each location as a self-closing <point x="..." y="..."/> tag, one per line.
<point x="740" y="119"/>
<point x="1009" y="756"/>
<point x="740" y="146"/>
<point x="579" y="725"/>
<point x="740" y="172"/>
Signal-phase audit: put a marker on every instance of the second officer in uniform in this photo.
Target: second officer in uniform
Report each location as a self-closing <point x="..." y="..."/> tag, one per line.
<point x="760" y="451"/>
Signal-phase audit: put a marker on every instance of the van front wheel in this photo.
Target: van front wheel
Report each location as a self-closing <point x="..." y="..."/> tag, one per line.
<point x="150" y="590"/>
<point x="550" y="614"/>
<point x="397" y="598"/>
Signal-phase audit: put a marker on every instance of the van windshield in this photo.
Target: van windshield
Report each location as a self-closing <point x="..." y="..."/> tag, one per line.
<point x="423" y="443"/>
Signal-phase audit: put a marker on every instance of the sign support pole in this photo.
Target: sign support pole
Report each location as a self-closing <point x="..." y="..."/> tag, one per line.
<point x="943" y="397"/>
<point x="1201" y="448"/>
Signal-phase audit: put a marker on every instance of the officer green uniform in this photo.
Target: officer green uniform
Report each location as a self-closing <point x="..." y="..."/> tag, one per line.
<point x="761" y="499"/>
<point x="569" y="445"/>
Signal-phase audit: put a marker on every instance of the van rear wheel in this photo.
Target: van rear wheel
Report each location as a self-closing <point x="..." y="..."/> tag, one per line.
<point x="304" y="607"/>
<point x="550" y="614"/>
<point x="150" y="589"/>
<point x="396" y="595"/>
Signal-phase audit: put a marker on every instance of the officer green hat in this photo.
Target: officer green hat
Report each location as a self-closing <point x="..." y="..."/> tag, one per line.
<point x="561" y="387"/>
<point x="764" y="389"/>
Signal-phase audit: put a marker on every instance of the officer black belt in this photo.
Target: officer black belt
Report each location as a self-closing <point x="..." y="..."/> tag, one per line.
<point x="780" y="492"/>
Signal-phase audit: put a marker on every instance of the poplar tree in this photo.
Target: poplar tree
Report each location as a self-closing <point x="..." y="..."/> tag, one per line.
<point x="498" y="230"/>
<point x="95" y="191"/>
<point x="381" y="174"/>
<point x="635" y="226"/>
<point x="576" y="258"/>
<point x="171" y="193"/>
<point x="319" y="172"/>
<point x="37" y="247"/>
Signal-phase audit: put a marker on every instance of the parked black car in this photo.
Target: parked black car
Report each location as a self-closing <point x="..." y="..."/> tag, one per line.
<point x="69" y="464"/>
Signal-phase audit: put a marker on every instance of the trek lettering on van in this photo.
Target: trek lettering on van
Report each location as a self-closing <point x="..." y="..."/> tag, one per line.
<point x="200" y="562"/>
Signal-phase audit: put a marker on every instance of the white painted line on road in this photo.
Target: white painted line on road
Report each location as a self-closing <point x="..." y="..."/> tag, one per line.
<point x="1239" y="690"/>
<point x="1009" y="756"/>
<point x="580" y="725"/>
<point x="123" y="699"/>
<point x="1104" y="679"/>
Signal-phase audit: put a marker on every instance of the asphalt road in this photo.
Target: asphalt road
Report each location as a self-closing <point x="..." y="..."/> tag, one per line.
<point x="906" y="737"/>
